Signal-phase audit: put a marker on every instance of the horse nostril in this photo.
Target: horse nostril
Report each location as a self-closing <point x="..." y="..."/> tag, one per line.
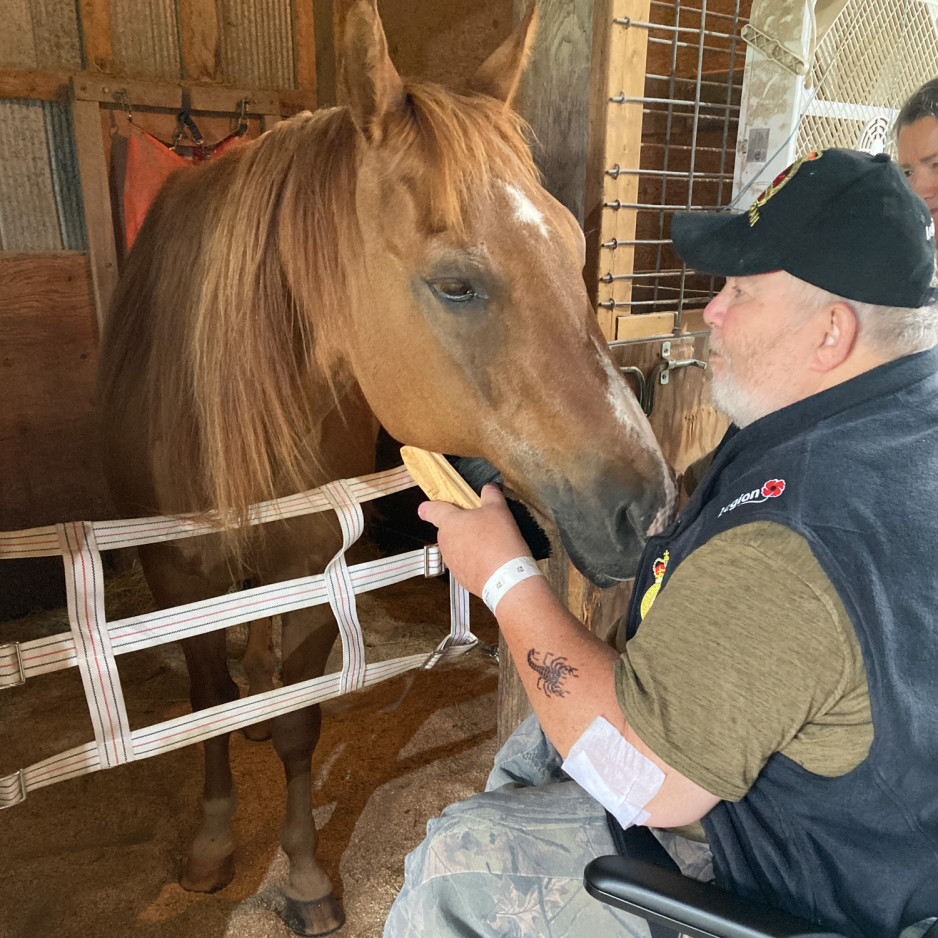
<point x="638" y="519"/>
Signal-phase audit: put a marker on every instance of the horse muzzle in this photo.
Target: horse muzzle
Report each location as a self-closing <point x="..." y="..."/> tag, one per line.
<point x="604" y="531"/>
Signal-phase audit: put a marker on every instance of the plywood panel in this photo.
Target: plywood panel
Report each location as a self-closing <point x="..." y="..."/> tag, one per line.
<point x="48" y="455"/>
<point x="685" y="421"/>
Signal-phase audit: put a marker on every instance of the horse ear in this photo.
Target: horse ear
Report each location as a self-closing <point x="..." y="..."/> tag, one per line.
<point x="499" y="75"/>
<point x="368" y="81"/>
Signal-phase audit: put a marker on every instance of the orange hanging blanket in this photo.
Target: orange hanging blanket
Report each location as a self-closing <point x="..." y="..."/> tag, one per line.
<point x="149" y="163"/>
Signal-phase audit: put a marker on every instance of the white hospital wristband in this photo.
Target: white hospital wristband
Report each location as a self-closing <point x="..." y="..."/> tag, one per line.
<point x="505" y="577"/>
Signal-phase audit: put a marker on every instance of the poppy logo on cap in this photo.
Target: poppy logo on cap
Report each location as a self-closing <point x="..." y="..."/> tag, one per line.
<point x="779" y="183"/>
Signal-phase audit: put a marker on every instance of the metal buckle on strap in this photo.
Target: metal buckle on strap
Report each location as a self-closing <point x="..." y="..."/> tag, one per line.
<point x="21" y="794"/>
<point x="19" y="665"/>
<point x="433" y="558"/>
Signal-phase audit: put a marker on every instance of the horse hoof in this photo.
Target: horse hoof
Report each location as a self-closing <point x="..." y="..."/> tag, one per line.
<point x="258" y="732"/>
<point x="319" y="917"/>
<point x="202" y="878"/>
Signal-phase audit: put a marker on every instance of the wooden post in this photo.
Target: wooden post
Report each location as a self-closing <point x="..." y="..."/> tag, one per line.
<point x="619" y="53"/>
<point x="97" y="47"/>
<point x="198" y="23"/>
<point x="96" y="197"/>
<point x="554" y="96"/>
<point x="304" y="31"/>
<point x="324" y="14"/>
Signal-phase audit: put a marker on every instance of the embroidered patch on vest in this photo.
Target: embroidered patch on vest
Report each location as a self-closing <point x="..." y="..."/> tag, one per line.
<point x="772" y="489"/>
<point x="661" y="564"/>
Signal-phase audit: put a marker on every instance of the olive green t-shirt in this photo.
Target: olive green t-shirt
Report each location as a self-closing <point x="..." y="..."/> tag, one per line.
<point x="747" y="651"/>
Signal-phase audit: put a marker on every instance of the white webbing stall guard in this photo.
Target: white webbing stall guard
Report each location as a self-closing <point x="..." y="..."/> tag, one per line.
<point x="93" y="643"/>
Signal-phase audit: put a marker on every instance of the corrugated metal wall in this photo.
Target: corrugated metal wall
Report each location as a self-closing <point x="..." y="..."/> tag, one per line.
<point x="257" y="44"/>
<point x="145" y="39"/>
<point x="40" y="200"/>
<point x="40" y="34"/>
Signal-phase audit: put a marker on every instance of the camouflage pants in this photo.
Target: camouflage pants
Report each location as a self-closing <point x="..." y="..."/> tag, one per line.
<point x="509" y="862"/>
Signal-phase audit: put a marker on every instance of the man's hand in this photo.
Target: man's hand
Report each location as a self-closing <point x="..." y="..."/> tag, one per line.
<point x="476" y="543"/>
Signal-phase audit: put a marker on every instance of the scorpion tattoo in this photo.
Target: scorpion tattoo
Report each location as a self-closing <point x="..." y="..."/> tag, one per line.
<point x="551" y="672"/>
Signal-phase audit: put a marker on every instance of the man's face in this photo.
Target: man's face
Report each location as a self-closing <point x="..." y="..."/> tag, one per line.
<point x="918" y="158"/>
<point x="759" y="346"/>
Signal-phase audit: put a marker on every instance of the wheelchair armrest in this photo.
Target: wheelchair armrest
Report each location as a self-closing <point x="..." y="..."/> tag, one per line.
<point x="699" y="910"/>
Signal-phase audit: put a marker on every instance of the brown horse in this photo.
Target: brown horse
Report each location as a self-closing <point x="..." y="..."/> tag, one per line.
<point x="391" y="260"/>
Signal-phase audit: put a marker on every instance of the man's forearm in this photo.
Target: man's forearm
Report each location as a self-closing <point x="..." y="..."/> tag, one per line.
<point x="566" y="670"/>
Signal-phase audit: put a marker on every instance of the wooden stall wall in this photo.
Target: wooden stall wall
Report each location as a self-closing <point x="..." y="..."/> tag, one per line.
<point x="63" y="126"/>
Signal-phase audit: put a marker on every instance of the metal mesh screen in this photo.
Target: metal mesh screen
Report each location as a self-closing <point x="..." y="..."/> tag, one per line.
<point x="873" y="56"/>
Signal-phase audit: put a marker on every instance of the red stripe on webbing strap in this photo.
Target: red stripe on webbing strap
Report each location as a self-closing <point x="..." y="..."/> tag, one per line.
<point x="84" y="584"/>
<point x="134" y="531"/>
<point x="203" y="724"/>
<point x="57" y="652"/>
<point x="339" y="586"/>
<point x="93" y="643"/>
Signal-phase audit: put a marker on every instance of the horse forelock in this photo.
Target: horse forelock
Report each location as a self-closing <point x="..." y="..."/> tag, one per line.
<point x="454" y="148"/>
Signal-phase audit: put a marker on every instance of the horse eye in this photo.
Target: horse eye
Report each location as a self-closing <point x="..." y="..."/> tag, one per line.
<point x="455" y="291"/>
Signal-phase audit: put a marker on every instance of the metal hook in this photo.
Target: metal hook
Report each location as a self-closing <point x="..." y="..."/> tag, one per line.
<point x="123" y="98"/>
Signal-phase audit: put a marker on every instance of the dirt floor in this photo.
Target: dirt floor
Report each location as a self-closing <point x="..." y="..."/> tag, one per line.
<point x="100" y="855"/>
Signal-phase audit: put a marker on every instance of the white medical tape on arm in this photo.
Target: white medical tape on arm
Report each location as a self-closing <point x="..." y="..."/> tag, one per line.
<point x="505" y="577"/>
<point x="614" y="772"/>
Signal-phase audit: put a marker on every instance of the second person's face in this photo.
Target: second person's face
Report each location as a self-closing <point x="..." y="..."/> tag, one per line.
<point x="917" y="146"/>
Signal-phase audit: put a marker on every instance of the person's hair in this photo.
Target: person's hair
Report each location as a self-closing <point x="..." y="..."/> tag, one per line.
<point x="921" y="103"/>
<point x="891" y="331"/>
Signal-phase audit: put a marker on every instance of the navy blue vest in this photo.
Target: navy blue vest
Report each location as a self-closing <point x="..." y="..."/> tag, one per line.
<point x="855" y="471"/>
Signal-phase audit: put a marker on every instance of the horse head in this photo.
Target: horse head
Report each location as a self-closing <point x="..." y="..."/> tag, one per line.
<point x="470" y="276"/>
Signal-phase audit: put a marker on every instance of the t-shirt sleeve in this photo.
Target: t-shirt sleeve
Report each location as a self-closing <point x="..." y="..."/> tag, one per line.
<point x="741" y="649"/>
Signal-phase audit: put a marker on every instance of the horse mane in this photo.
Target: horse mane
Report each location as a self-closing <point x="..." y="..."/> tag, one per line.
<point x="243" y="265"/>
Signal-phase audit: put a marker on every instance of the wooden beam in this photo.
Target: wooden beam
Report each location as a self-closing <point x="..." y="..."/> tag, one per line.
<point x="198" y="23"/>
<point x="645" y="326"/>
<point x="34" y="84"/>
<point x="304" y="32"/>
<point x="207" y="99"/>
<point x="98" y="49"/>
<point x="96" y="197"/>
<point x="324" y="18"/>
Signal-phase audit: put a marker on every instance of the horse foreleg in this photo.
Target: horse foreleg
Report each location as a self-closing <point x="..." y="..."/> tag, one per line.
<point x="260" y="663"/>
<point x="211" y="859"/>
<point x="311" y="907"/>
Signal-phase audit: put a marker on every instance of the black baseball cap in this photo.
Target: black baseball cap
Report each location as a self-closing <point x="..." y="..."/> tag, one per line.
<point x="845" y="221"/>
